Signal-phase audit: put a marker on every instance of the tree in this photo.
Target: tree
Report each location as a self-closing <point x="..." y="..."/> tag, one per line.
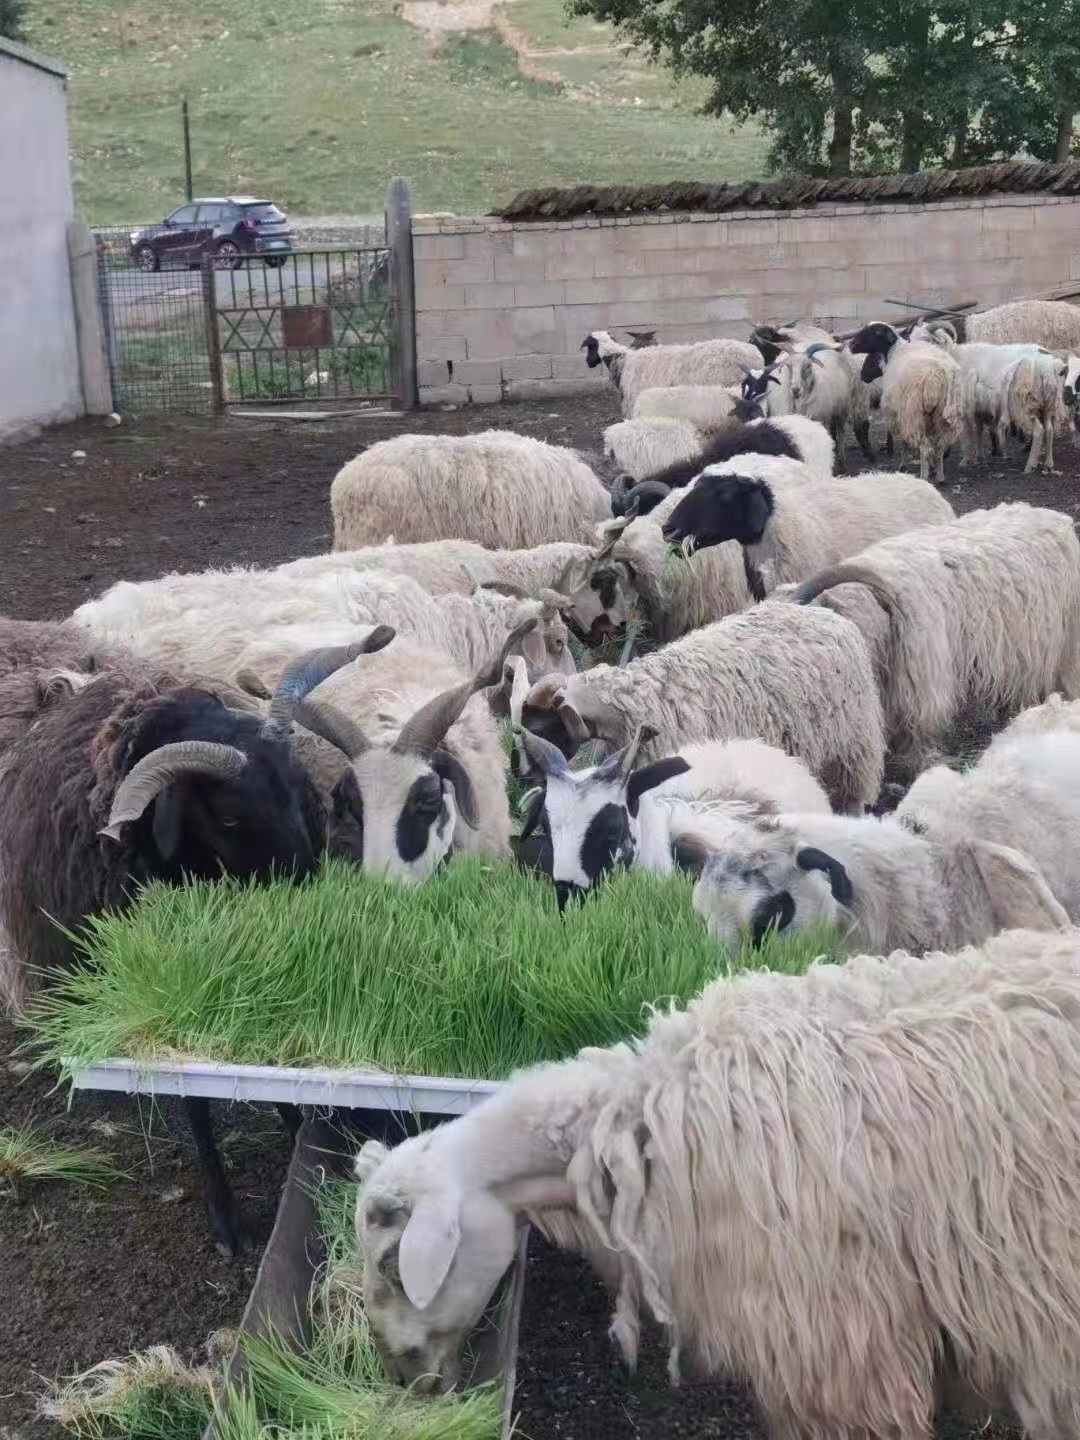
<point x="858" y="84"/>
<point x="801" y="65"/>
<point x="11" y="18"/>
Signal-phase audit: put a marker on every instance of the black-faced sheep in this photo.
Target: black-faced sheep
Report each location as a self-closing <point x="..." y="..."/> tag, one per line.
<point x="134" y="777"/>
<point x="922" y="392"/>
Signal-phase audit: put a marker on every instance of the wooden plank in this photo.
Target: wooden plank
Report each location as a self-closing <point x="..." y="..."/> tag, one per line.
<point x="402" y="294"/>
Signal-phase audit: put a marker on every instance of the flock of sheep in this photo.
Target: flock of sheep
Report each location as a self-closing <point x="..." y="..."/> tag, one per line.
<point x="849" y="1186"/>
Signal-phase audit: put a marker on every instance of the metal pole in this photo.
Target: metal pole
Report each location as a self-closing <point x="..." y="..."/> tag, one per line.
<point x="402" y="293"/>
<point x="187" y="148"/>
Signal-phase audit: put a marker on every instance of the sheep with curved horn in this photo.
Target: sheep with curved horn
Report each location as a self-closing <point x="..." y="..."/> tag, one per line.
<point x="426" y="772"/>
<point x="133" y="777"/>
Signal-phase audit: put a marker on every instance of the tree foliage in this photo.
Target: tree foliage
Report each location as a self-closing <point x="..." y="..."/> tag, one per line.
<point x="853" y="84"/>
<point x="11" y="18"/>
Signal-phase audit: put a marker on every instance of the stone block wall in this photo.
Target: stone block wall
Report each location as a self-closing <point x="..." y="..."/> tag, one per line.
<point x="502" y="308"/>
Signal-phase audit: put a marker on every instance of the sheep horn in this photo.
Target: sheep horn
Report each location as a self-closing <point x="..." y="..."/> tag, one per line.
<point x="309" y="671"/>
<point x="332" y="725"/>
<point x="505" y="587"/>
<point x="611" y="539"/>
<point x="575" y="725"/>
<point x="623" y="761"/>
<point x="547" y="758"/>
<point x="251" y="684"/>
<point x="424" y="731"/>
<point x="146" y="780"/>
<point x="654" y="490"/>
<point x="619" y="491"/>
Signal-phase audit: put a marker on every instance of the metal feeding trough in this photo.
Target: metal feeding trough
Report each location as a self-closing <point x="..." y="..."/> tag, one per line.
<point x="279" y="1298"/>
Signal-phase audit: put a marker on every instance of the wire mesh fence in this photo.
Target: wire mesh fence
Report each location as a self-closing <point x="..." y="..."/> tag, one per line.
<point x="155" y="330"/>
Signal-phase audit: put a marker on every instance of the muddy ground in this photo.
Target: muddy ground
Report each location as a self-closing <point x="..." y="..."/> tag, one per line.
<point x="87" y="1277"/>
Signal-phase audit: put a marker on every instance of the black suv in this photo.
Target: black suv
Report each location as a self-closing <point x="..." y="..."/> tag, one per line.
<point x="229" y="228"/>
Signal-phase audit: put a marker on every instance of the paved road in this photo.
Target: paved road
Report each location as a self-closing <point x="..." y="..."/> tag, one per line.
<point x="142" y="294"/>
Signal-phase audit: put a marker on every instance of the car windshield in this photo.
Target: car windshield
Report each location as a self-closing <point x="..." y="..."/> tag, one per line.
<point x="263" y="212"/>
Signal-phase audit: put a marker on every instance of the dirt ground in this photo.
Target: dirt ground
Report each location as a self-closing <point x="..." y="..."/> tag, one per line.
<point x="90" y="1277"/>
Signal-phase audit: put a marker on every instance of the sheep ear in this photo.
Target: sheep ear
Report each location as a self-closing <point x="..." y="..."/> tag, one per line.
<point x="1020" y="898"/>
<point x="428" y="1246"/>
<point x="449" y="767"/>
<point x="808" y="858"/>
<point x="168" y="817"/>
<point x="371" y="1156"/>
<point x="649" y="776"/>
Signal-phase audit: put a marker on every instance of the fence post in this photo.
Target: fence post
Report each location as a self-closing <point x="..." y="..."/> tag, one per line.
<point x="213" y="335"/>
<point x="403" y="292"/>
<point x="87" y="301"/>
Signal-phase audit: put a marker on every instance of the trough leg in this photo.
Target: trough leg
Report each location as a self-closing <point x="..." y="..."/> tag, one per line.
<point x="221" y="1207"/>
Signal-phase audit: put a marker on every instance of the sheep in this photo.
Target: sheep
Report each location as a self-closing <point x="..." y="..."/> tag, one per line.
<point x="1054" y="324"/>
<point x="1055" y="713"/>
<point x="983" y="610"/>
<point x="807" y="688"/>
<point x="709" y="362"/>
<point x="656" y="816"/>
<point x="960" y="860"/>
<point x="1070" y="396"/>
<point x="710" y="408"/>
<point x="825" y="385"/>
<point x="136" y="775"/>
<point x="922" y="392"/>
<point x="41" y="662"/>
<point x="235" y="622"/>
<point x="849" y="1188"/>
<point x="642" y="447"/>
<point x="792" y="436"/>
<point x="426" y="771"/>
<point x="496" y="488"/>
<point x="1018" y="384"/>
<point x="792" y="531"/>
<point x="776" y="341"/>
<point x="445" y="567"/>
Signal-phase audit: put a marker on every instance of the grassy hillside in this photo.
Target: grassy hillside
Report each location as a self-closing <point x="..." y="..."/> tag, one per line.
<point x="319" y="104"/>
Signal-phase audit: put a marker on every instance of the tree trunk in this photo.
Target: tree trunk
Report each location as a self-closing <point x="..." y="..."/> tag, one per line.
<point x="912" y="148"/>
<point x="842" y="129"/>
<point x="956" y="159"/>
<point x="1063" y="144"/>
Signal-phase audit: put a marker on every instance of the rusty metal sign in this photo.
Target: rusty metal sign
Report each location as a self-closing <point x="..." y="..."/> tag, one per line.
<point x="307" y="327"/>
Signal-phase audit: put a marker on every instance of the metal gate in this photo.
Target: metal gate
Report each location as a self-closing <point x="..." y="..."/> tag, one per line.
<point x="319" y="327"/>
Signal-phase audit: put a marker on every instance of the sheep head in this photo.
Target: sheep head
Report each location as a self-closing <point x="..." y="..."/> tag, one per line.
<point x="721" y="507"/>
<point x="591" y="815"/>
<point x="435" y="1248"/>
<point x="397" y="807"/>
<point x="765" y="878"/>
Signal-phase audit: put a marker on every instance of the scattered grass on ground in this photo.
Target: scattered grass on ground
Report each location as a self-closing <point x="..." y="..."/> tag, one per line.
<point x="319" y="105"/>
<point x="472" y="975"/>
<point x="149" y="1396"/>
<point x="26" y="1155"/>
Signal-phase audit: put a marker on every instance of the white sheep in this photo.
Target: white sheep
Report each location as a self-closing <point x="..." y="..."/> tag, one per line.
<point x="810" y="438"/>
<point x="984" y="610"/>
<point x="709" y="362"/>
<point x="1017" y="384"/>
<point x="791" y="531"/>
<point x="643" y="447"/>
<point x="710" y="408"/>
<point x="496" y="488"/>
<point x="426" y="769"/>
<point x="808" y="1180"/>
<point x="1054" y="324"/>
<point x="964" y="857"/>
<point x="766" y="674"/>
<point x="223" y="623"/>
<point x="825" y="385"/>
<point x="658" y="816"/>
<point x="922" y="392"/>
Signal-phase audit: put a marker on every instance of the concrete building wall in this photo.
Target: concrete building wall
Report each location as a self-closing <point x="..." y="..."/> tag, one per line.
<point x="39" y="357"/>
<point x="502" y="308"/>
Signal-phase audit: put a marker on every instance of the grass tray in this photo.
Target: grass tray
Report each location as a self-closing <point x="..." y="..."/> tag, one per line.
<point x="473" y="975"/>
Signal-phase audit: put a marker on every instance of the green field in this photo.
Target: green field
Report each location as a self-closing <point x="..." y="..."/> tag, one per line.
<point x="319" y="104"/>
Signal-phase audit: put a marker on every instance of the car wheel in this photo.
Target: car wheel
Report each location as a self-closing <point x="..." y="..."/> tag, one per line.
<point x="275" y="262"/>
<point x="147" y="258"/>
<point x="228" y="255"/>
